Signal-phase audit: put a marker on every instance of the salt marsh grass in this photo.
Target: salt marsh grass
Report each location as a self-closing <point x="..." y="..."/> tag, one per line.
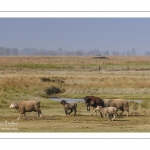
<point x="113" y="77"/>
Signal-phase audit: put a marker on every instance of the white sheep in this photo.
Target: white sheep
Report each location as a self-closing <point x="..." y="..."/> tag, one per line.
<point x="27" y="106"/>
<point x="121" y="104"/>
<point x="110" y="112"/>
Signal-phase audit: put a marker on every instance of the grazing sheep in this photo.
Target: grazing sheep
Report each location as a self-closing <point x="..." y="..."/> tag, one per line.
<point x="121" y="104"/>
<point x="27" y="106"/>
<point x="69" y="106"/>
<point x="110" y="112"/>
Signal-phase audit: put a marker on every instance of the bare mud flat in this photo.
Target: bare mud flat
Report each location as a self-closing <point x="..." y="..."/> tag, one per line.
<point x="79" y="123"/>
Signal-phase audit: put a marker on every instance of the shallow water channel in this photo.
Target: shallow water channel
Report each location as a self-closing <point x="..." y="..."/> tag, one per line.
<point x="82" y="100"/>
<point x="67" y="99"/>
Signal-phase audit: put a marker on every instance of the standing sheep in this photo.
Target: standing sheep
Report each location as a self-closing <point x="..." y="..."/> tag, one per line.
<point x="27" y="106"/>
<point x="121" y="104"/>
<point x="110" y="112"/>
<point x="69" y="106"/>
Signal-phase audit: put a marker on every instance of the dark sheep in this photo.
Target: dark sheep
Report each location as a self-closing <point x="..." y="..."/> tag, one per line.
<point x="93" y="101"/>
<point x="69" y="106"/>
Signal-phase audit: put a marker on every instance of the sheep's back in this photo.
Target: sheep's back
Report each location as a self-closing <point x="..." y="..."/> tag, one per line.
<point x="70" y="105"/>
<point x="118" y="103"/>
<point x="29" y="105"/>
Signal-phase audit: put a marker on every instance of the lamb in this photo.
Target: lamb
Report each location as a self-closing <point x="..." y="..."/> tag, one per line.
<point x="110" y="112"/>
<point x="69" y="106"/>
<point x="27" y="106"/>
<point x="121" y="104"/>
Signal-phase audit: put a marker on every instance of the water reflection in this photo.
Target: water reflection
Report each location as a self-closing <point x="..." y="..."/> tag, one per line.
<point x="137" y="101"/>
<point x="82" y="100"/>
<point x="67" y="99"/>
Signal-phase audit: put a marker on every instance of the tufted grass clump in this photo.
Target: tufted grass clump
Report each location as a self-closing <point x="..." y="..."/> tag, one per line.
<point x="145" y="104"/>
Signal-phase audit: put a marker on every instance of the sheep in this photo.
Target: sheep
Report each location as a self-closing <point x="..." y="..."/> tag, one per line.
<point x="94" y="102"/>
<point x="110" y="112"/>
<point x="106" y="102"/>
<point x="27" y="106"/>
<point x="69" y="106"/>
<point x="121" y="104"/>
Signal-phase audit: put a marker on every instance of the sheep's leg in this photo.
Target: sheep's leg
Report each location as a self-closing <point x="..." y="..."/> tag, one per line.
<point x="93" y="111"/>
<point x="66" y="112"/>
<point x="110" y="117"/>
<point x="113" y="117"/>
<point x="25" y="116"/>
<point x="19" y="117"/>
<point x="70" y="112"/>
<point x="105" y="115"/>
<point x="121" y="112"/>
<point x="39" y="114"/>
<point x="127" y="113"/>
<point x="75" y="112"/>
<point x="88" y="108"/>
<point x="102" y="116"/>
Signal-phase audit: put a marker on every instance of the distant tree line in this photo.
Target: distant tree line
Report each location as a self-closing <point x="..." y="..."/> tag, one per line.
<point x="8" y="51"/>
<point x="60" y="51"/>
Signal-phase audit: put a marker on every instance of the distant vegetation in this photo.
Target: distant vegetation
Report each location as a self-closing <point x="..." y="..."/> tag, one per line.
<point x="60" y="52"/>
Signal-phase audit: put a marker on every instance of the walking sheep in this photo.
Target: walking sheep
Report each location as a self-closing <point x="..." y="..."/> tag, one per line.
<point x="27" y="106"/>
<point x="121" y="104"/>
<point x="110" y="112"/>
<point x="69" y="106"/>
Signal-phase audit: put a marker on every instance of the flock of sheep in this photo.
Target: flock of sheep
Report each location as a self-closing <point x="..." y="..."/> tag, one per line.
<point x="107" y="108"/>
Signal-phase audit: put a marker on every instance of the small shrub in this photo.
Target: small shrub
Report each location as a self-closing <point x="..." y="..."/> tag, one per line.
<point x="52" y="90"/>
<point x="135" y="106"/>
<point x="145" y="104"/>
<point x="45" y="79"/>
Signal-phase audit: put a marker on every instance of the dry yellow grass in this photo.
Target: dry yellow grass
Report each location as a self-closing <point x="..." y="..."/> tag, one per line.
<point x="81" y="75"/>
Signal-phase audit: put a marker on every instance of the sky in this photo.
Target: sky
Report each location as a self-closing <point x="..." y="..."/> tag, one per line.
<point x="105" y="34"/>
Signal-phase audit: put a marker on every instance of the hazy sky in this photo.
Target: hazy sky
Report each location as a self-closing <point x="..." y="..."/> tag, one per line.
<point x="112" y="34"/>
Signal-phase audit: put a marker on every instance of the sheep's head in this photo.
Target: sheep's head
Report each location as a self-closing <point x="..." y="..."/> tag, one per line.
<point x="13" y="105"/>
<point x="87" y="102"/>
<point x="87" y="99"/>
<point x="63" y="102"/>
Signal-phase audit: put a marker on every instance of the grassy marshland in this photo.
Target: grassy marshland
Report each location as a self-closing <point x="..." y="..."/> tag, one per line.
<point x="113" y="77"/>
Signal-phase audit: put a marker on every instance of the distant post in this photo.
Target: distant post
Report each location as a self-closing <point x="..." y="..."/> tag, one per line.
<point x="99" y="68"/>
